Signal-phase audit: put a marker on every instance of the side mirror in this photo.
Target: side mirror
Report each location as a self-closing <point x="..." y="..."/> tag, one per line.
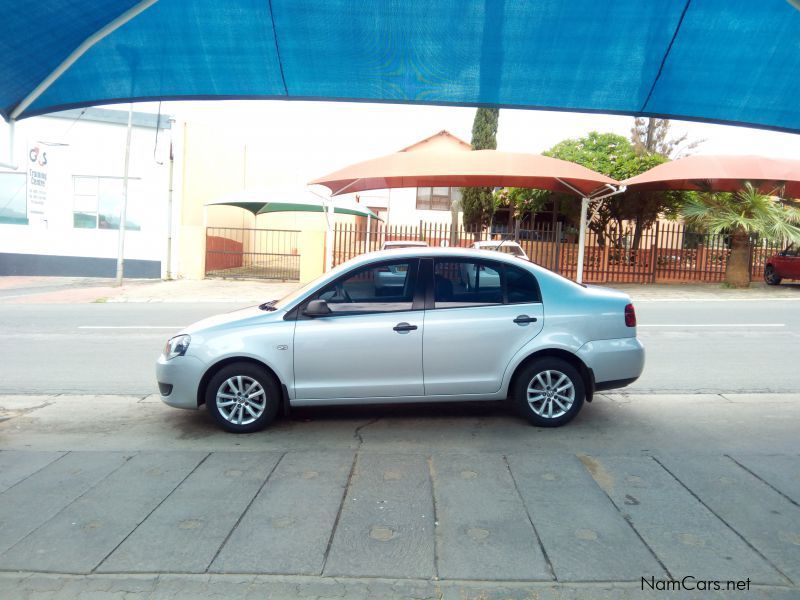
<point x="317" y="308"/>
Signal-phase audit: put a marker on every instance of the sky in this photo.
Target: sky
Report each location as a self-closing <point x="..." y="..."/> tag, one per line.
<point x="292" y="142"/>
<point x="310" y="139"/>
<point x="387" y="127"/>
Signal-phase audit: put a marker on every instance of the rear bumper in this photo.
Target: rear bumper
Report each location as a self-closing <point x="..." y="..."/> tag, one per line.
<point x="612" y="385"/>
<point x="614" y="363"/>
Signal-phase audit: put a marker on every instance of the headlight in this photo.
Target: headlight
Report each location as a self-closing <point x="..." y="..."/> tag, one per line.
<point x="177" y="346"/>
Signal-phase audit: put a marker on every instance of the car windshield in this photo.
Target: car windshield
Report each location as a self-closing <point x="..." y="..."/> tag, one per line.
<point x="302" y="291"/>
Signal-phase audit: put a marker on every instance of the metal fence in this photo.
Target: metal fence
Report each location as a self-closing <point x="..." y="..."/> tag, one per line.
<point x="666" y="252"/>
<point x="252" y="253"/>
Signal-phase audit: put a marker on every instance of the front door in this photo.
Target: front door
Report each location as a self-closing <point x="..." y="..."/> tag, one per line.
<point x="370" y="346"/>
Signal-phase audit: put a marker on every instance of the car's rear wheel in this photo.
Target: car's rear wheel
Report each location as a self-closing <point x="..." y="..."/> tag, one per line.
<point x="770" y="276"/>
<point x="549" y="392"/>
<point x="242" y="398"/>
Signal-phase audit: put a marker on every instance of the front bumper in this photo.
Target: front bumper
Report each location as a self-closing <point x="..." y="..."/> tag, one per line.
<point x="178" y="380"/>
<point x="620" y="361"/>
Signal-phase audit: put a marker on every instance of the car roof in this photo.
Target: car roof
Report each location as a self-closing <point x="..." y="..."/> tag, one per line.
<point x="432" y="252"/>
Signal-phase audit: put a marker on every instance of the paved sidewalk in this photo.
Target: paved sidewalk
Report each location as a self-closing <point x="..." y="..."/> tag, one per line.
<point x="82" y="290"/>
<point x="136" y="500"/>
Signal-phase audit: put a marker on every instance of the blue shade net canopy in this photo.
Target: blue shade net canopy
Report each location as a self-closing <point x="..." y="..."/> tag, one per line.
<point x="729" y="61"/>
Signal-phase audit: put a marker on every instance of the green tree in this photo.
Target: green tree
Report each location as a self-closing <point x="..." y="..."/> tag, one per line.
<point x="616" y="156"/>
<point x="742" y="215"/>
<point x="521" y="202"/>
<point x="478" y="202"/>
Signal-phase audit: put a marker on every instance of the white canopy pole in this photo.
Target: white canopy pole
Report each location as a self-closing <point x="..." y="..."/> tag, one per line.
<point x="329" y="237"/>
<point x="366" y="246"/>
<point x="582" y="238"/>
<point x="585" y="216"/>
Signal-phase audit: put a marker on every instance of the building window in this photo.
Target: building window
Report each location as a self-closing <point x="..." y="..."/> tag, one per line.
<point x="437" y="198"/>
<point x="13" y="198"/>
<point x="97" y="203"/>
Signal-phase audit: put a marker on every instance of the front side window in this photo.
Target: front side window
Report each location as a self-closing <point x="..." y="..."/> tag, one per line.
<point x="388" y="287"/>
<point x="13" y="198"/>
<point x="97" y="203"/>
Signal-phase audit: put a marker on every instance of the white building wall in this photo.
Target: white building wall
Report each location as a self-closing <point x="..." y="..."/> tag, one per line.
<point x="92" y="149"/>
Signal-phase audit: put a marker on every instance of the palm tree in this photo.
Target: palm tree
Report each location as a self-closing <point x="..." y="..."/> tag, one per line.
<point x="742" y="214"/>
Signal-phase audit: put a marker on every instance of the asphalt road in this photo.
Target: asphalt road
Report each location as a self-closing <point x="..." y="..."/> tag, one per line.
<point x="717" y="347"/>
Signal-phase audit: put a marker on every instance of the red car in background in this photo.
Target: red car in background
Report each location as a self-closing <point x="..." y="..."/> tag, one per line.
<point x="784" y="265"/>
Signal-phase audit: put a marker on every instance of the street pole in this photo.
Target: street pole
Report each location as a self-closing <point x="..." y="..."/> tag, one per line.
<point x="169" y="208"/>
<point x="123" y="211"/>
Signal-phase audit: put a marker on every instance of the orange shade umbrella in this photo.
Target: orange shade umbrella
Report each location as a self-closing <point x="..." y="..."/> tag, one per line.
<point x="721" y="174"/>
<point x="443" y="160"/>
<point x="470" y="168"/>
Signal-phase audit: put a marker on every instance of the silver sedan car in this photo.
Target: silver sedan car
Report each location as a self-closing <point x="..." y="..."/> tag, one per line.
<point x="511" y="330"/>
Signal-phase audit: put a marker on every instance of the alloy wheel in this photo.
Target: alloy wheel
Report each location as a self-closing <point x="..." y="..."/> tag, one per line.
<point x="550" y="394"/>
<point x="241" y="400"/>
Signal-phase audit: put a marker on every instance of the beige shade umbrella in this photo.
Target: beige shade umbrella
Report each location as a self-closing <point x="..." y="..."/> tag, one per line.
<point x="722" y="173"/>
<point x="444" y="160"/>
<point x="465" y="168"/>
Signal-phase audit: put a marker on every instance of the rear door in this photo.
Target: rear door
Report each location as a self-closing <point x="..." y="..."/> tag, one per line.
<point x="483" y="312"/>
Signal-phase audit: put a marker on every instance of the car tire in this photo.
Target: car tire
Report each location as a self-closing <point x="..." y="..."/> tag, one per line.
<point x="770" y="277"/>
<point x="243" y="397"/>
<point x="549" y="392"/>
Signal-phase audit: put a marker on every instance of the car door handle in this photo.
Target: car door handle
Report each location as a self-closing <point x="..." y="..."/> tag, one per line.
<point x="402" y="327"/>
<point x="524" y="320"/>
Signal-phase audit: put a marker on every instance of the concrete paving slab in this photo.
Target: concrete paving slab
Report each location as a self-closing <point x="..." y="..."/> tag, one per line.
<point x="483" y="530"/>
<point x="687" y="537"/>
<point x="585" y="536"/>
<point x="386" y="527"/>
<point x="185" y="532"/>
<point x="780" y="472"/>
<point x="288" y="526"/>
<point x="100" y="519"/>
<point x="767" y="520"/>
<point x="15" y="466"/>
<point x="38" y="498"/>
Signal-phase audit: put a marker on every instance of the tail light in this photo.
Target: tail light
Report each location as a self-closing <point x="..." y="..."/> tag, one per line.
<point x="630" y="316"/>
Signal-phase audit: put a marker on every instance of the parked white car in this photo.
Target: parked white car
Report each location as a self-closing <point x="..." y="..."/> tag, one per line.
<point x="397" y="244"/>
<point x="509" y="247"/>
<point x="456" y="324"/>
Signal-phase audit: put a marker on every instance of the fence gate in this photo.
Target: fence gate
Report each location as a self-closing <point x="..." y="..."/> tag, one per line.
<point x="252" y="253"/>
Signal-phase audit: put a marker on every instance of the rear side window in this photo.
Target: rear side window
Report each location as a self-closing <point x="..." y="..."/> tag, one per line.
<point x="467" y="283"/>
<point x="463" y="283"/>
<point x="521" y="286"/>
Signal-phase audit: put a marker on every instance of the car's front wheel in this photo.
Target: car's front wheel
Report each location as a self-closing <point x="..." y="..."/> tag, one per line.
<point x="549" y="392"/>
<point x="770" y="276"/>
<point x="242" y="398"/>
